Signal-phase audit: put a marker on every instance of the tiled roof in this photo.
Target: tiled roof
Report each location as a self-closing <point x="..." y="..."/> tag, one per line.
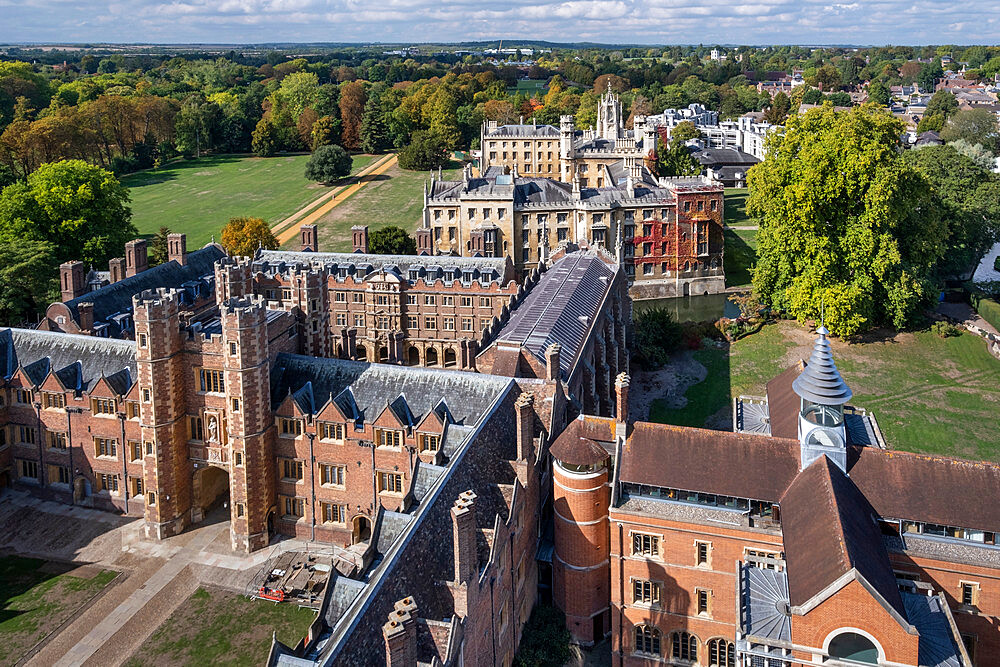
<point x="371" y="387"/>
<point x="829" y="529"/>
<point x="578" y="443"/>
<point x="80" y="361"/>
<point x="429" y="267"/>
<point x="561" y="307"/>
<point x="117" y="297"/>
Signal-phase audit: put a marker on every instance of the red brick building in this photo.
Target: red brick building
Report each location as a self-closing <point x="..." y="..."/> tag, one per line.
<point x="802" y="543"/>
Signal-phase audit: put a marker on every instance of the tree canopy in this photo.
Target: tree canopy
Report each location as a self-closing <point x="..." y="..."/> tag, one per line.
<point x="28" y="282"/>
<point x="427" y="150"/>
<point x="391" y="240"/>
<point x="328" y="164"/>
<point x="846" y="226"/>
<point x="244" y="235"/>
<point x="80" y="209"/>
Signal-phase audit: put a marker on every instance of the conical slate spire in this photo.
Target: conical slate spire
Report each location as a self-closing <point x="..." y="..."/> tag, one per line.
<point x="820" y="382"/>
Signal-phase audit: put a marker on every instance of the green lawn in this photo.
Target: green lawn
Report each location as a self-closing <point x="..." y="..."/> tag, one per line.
<point x="216" y="627"/>
<point x="929" y="394"/>
<point x="394" y="198"/>
<point x="38" y="596"/>
<point x="197" y="197"/>
<point x="735" y="210"/>
<point x="740" y="255"/>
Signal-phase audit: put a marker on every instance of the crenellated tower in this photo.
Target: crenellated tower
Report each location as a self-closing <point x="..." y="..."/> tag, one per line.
<point x="233" y="278"/>
<point x="310" y="300"/>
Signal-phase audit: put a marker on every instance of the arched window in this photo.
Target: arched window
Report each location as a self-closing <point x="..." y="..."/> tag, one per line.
<point x="721" y="653"/>
<point x="855" y="647"/>
<point x="684" y="646"/>
<point x="647" y="640"/>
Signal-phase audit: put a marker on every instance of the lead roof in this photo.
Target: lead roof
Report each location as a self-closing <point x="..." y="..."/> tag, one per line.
<point x="820" y="381"/>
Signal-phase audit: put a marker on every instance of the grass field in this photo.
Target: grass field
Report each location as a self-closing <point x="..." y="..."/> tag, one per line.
<point x="735" y="209"/>
<point x="216" y="627"/>
<point x="38" y="596"/>
<point x="394" y="198"/>
<point x="929" y="394"/>
<point x="740" y="255"/>
<point x="197" y="197"/>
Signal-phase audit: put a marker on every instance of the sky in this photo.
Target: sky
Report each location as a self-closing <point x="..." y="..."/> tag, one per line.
<point x="807" y="22"/>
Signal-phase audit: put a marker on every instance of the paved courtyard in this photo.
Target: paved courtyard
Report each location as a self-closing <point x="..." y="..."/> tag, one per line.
<point x="158" y="576"/>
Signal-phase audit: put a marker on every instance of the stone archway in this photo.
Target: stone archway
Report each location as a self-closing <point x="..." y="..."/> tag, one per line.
<point x="413" y="356"/>
<point x="431" y="357"/>
<point x="361" y="353"/>
<point x="383" y="354"/>
<point x="362" y="529"/>
<point x="450" y="358"/>
<point x="209" y="493"/>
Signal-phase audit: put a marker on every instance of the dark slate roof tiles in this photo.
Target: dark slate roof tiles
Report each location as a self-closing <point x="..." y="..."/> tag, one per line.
<point x="80" y="361"/>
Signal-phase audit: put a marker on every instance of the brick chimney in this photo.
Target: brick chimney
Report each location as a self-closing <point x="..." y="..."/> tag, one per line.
<point x="463" y="519"/>
<point x="552" y="362"/>
<point x="85" y="313"/>
<point x="621" y="398"/>
<point x="360" y="234"/>
<point x="400" y="634"/>
<point x="72" y="280"/>
<point x="307" y="236"/>
<point x="525" y="413"/>
<point x="425" y="243"/>
<point x="136" y="260"/>
<point x="177" y="248"/>
<point x="116" y="267"/>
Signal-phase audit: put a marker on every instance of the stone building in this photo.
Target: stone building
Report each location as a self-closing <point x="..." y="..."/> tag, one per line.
<point x="593" y="155"/>
<point x="804" y="542"/>
<point x="667" y="235"/>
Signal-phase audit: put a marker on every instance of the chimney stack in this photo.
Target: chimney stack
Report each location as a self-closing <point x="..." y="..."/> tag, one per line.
<point x="85" y="313"/>
<point x="552" y="362"/>
<point x="360" y="235"/>
<point x="307" y="234"/>
<point x="136" y="259"/>
<point x="400" y="634"/>
<point x="425" y="243"/>
<point x="524" y="407"/>
<point x="177" y="248"/>
<point x="72" y="280"/>
<point x="621" y="398"/>
<point x="116" y="267"/>
<point x="463" y="518"/>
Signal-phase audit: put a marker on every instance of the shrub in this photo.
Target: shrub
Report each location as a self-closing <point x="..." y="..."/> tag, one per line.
<point x="545" y="642"/>
<point x="328" y="164"/>
<point x="391" y="240"/>
<point x="656" y="336"/>
<point x="945" y="329"/>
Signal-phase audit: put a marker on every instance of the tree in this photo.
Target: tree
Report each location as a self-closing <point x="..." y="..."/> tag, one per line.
<point x="545" y="641"/>
<point x="328" y="164"/>
<point x="685" y="131"/>
<point x="969" y="197"/>
<point x="80" y="209"/>
<point x="265" y="139"/>
<point x="777" y="112"/>
<point x="391" y="240"/>
<point x="813" y="96"/>
<point x="975" y="152"/>
<point x="656" y="335"/>
<point x="158" y="249"/>
<point x="325" y="131"/>
<point x="243" y="236"/>
<point x="977" y="126"/>
<point x="675" y="159"/>
<point x="942" y="103"/>
<point x="28" y="282"/>
<point x="878" y="93"/>
<point x="427" y="150"/>
<point x="931" y="123"/>
<point x="845" y="224"/>
<point x="374" y="133"/>
<point x="352" y="106"/>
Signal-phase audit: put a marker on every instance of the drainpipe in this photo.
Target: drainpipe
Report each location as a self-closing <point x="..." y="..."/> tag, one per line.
<point x="312" y="482"/>
<point x="121" y="419"/>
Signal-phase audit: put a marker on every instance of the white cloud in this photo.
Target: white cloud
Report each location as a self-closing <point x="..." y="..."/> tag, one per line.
<point x="608" y="21"/>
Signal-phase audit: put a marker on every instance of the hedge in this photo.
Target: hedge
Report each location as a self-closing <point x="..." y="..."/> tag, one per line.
<point x="988" y="309"/>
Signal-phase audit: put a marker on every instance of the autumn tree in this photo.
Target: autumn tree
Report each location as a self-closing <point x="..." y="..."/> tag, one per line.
<point x="80" y="209"/>
<point x="845" y="223"/>
<point x="352" y="108"/>
<point x="265" y="139"/>
<point x="242" y="236"/>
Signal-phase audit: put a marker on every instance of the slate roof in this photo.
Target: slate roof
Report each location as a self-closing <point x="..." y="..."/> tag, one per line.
<point x="711" y="157"/>
<point x="820" y="381"/>
<point x="829" y="529"/>
<point x="390" y="527"/>
<point x="561" y="307"/>
<point x="515" y="130"/>
<point x="764" y="607"/>
<point x="80" y="361"/>
<point x="937" y="644"/>
<point x="117" y="297"/>
<point x="429" y="267"/>
<point x="344" y="592"/>
<point x="526" y="191"/>
<point x="365" y="389"/>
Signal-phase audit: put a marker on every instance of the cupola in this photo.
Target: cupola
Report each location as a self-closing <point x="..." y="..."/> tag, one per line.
<point x="823" y="394"/>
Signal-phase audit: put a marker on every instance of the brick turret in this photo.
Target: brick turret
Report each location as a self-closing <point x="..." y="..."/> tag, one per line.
<point x="232" y="278"/>
<point x="359" y="234"/>
<point x="310" y="300"/>
<point x="161" y="374"/>
<point x="116" y="269"/>
<point x="308" y="239"/>
<point x="249" y="420"/>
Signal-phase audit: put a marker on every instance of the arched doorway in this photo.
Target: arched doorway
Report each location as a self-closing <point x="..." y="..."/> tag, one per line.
<point x="210" y="491"/>
<point x="383" y="354"/>
<point x="413" y="356"/>
<point x="431" y="357"/>
<point x="450" y="360"/>
<point x="361" y="353"/>
<point x="362" y="531"/>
